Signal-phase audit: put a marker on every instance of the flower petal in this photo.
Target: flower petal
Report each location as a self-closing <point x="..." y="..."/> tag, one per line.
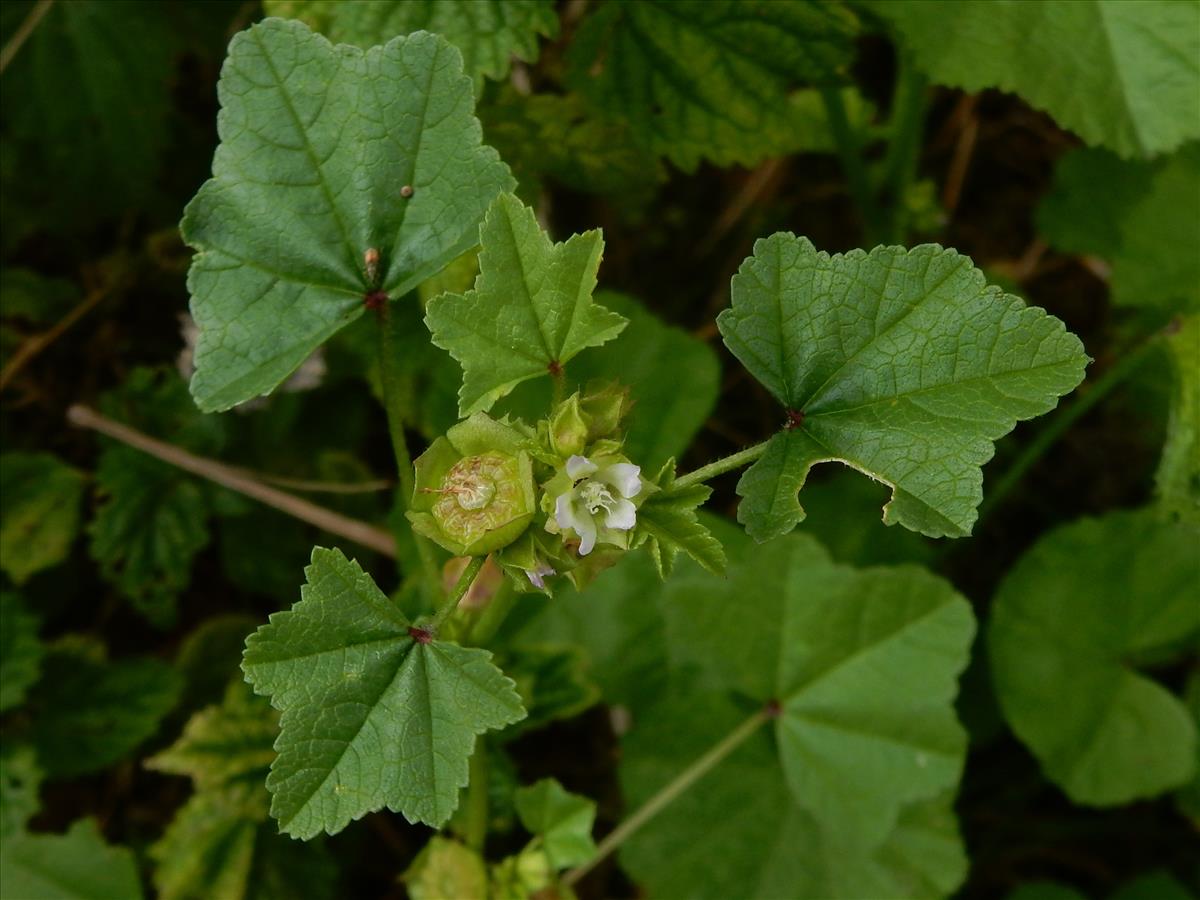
<point x="625" y="477"/>
<point x="564" y="512"/>
<point x="585" y="527"/>
<point x="579" y="466"/>
<point x="622" y="516"/>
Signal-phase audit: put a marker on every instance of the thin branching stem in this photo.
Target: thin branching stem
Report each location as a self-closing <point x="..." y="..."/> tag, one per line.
<point x="721" y="466"/>
<point x="24" y="30"/>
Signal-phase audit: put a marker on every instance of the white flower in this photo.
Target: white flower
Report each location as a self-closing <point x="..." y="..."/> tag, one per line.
<point x="538" y="573"/>
<point x="598" y="500"/>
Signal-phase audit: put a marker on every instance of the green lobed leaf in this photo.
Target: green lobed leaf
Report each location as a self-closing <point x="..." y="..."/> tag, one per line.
<point x="1157" y="265"/>
<point x="739" y="831"/>
<point x="489" y="35"/>
<point x="561" y="820"/>
<point x="1122" y="75"/>
<point x="650" y="359"/>
<point x="371" y="716"/>
<point x="902" y="364"/>
<point x="90" y="714"/>
<point x="77" y="865"/>
<point x="20" y="650"/>
<point x="445" y="868"/>
<point x="210" y="656"/>
<point x="531" y="309"/>
<point x="1178" y="478"/>
<point x="667" y="524"/>
<point x="318" y="143"/>
<point x="709" y="79"/>
<point x="862" y="662"/>
<point x="41" y="512"/>
<point x="20" y="782"/>
<point x="1067" y="622"/>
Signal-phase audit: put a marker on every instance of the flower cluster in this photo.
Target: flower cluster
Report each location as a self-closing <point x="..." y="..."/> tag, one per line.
<point x="558" y="500"/>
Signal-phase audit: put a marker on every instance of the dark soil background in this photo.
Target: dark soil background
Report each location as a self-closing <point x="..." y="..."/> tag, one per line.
<point x="991" y="159"/>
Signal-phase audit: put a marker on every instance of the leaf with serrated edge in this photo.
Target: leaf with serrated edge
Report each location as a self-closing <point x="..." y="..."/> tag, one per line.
<point x="1066" y="622"/>
<point x="318" y="143"/>
<point x="905" y="365"/>
<point x="489" y="35"/>
<point x="667" y="523"/>
<point x="1123" y="75"/>
<point x="862" y="662"/>
<point x="562" y="820"/>
<point x="709" y="79"/>
<point x="531" y="308"/>
<point x="371" y="718"/>
<point x="40" y="518"/>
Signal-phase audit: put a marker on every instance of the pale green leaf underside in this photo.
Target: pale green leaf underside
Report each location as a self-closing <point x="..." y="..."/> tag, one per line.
<point x="317" y="142"/>
<point x="77" y="865"/>
<point x="709" y="79"/>
<point x="488" y="34"/>
<point x="863" y="662"/>
<point x="531" y="306"/>
<point x="739" y="832"/>
<point x="1065" y="622"/>
<point x="40" y="517"/>
<point x="1123" y="75"/>
<point x="371" y="718"/>
<point x="906" y="365"/>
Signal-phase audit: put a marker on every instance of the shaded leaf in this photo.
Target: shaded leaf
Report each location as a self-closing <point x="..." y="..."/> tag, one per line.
<point x="488" y="35"/>
<point x="1178" y="477"/>
<point x="90" y="714"/>
<point x="1067" y="622"/>
<point x="77" y="865"/>
<point x="1123" y="75"/>
<point x="20" y="781"/>
<point x="1093" y="192"/>
<point x="531" y="309"/>
<point x="41" y="512"/>
<point x="20" y="650"/>
<point x="445" y="868"/>
<point x="708" y="80"/>
<point x="371" y="716"/>
<point x="318" y="143"/>
<point x="900" y="363"/>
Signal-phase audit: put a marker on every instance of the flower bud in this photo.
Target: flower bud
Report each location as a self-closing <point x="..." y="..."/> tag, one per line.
<point x="604" y="406"/>
<point x="474" y="488"/>
<point x="568" y="428"/>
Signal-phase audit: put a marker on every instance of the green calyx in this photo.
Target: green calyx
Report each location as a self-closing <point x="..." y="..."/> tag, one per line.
<point x="474" y="491"/>
<point x="585" y="418"/>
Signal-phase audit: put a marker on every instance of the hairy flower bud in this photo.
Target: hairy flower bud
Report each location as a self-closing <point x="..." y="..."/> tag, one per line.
<point x="474" y="488"/>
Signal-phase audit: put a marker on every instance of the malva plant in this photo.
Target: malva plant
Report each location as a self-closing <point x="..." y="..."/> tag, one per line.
<point x="790" y="707"/>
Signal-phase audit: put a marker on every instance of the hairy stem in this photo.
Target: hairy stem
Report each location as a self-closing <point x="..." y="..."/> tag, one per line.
<point x="335" y="523"/>
<point x="669" y="793"/>
<point x="1061" y="422"/>
<point x="907" y="125"/>
<point x="855" y="170"/>
<point x="392" y="381"/>
<point x="457" y="593"/>
<point x="721" y="466"/>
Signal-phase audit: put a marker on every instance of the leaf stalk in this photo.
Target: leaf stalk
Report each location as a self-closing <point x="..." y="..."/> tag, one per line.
<point x="721" y="466"/>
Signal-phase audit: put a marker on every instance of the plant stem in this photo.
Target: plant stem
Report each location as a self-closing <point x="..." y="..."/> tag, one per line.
<point x="1062" y="421"/>
<point x="907" y="126"/>
<point x="721" y="466"/>
<point x="228" y="477"/>
<point x="492" y="616"/>
<point x="475" y="828"/>
<point x="669" y="794"/>
<point x="560" y="385"/>
<point x="457" y="593"/>
<point x="24" y="30"/>
<point x="852" y="163"/>
<point x="391" y="379"/>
